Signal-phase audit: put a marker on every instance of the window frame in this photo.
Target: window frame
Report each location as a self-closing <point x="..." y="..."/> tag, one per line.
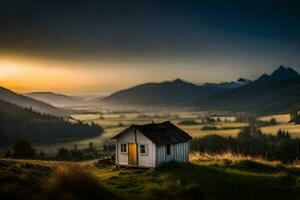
<point x="146" y="149"/>
<point x="126" y="148"/>
<point x="168" y="149"/>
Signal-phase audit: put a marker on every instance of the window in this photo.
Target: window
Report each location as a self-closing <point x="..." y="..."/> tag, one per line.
<point x="168" y="149"/>
<point x="123" y="148"/>
<point x="143" y="149"/>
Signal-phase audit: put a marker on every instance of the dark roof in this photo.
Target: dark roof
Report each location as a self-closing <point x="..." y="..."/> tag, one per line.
<point x="160" y="133"/>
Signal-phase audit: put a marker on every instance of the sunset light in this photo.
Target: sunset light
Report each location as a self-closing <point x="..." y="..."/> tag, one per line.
<point x="157" y="99"/>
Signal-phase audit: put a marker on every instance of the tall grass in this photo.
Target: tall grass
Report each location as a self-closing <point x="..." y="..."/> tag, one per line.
<point x="230" y="156"/>
<point x="75" y="182"/>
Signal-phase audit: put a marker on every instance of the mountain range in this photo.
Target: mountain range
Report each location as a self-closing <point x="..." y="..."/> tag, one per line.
<point x="270" y="93"/>
<point x="168" y="93"/>
<point x="277" y="92"/>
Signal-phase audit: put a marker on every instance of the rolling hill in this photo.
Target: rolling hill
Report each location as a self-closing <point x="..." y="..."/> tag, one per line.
<point x="58" y="100"/>
<point x="277" y="92"/>
<point x="177" y="93"/>
<point x="19" y="123"/>
<point x="27" y="102"/>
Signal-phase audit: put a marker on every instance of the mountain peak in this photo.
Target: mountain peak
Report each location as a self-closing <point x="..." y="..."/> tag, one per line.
<point x="283" y="73"/>
<point x="178" y="80"/>
<point x="243" y="80"/>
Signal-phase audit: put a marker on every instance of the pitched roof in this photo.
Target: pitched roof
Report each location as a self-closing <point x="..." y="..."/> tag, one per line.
<point x="160" y="133"/>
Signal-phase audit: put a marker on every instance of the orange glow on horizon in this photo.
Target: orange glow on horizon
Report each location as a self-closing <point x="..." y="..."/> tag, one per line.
<point x="95" y="76"/>
<point x="26" y="76"/>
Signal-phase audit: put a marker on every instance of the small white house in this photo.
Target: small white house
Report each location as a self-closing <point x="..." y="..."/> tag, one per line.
<point x="152" y="144"/>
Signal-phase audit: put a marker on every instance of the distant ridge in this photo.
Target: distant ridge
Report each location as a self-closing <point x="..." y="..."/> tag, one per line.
<point x="282" y="73"/>
<point x="153" y="94"/>
<point x="277" y="92"/>
<point x="167" y="94"/>
<point x="58" y="100"/>
<point x="27" y="102"/>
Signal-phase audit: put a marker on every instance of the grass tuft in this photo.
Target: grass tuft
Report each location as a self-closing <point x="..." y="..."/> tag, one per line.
<point x="75" y="182"/>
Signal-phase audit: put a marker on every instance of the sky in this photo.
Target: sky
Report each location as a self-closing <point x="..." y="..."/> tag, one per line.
<point x="98" y="47"/>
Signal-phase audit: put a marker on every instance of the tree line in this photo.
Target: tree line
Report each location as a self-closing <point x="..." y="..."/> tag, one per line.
<point x="18" y="123"/>
<point x="251" y="141"/>
<point x="24" y="150"/>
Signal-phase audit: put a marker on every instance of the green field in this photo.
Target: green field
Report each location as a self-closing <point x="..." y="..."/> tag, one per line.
<point x="115" y="122"/>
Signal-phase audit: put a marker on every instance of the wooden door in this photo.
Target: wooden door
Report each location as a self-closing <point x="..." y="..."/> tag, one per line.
<point x="132" y="154"/>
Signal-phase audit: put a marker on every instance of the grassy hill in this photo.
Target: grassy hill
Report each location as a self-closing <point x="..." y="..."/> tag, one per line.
<point x="209" y="178"/>
<point x="19" y="123"/>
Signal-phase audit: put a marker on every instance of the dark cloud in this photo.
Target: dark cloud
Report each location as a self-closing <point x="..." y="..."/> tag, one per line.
<point x="149" y="29"/>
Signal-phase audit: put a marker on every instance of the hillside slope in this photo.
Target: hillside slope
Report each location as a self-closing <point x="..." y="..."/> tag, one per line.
<point x="278" y="92"/>
<point x="58" y="100"/>
<point x="19" y="123"/>
<point x="201" y="179"/>
<point x="177" y="93"/>
<point x="26" y="102"/>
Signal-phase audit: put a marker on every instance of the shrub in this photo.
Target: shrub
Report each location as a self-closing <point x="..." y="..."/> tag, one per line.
<point x="23" y="149"/>
<point x="63" y="154"/>
<point x="188" y="122"/>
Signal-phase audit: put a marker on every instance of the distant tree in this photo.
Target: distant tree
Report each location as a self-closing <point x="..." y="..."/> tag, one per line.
<point x="295" y="116"/>
<point x="23" y="149"/>
<point x="42" y="155"/>
<point x="63" y="154"/>
<point x="8" y="153"/>
<point x="273" y="121"/>
<point x="188" y="122"/>
<point x="105" y="148"/>
<point x="251" y="141"/>
<point x="76" y="154"/>
<point x="92" y="150"/>
<point x="281" y="134"/>
<point x="210" y="120"/>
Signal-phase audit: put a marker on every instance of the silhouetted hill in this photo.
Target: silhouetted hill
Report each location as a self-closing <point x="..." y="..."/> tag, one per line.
<point x="19" y="123"/>
<point x="165" y="94"/>
<point x="280" y="74"/>
<point x="58" y="100"/>
<point x="277" y="92"/>
<point x="26" y="102"/>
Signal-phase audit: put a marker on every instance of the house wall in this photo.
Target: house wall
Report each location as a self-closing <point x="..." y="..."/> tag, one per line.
<point x="147" y="160"/>
<point x="179" y="152"/>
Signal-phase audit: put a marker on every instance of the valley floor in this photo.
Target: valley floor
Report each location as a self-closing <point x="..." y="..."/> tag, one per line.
<point x="115" y="123"/>
<point x="203" y="178"/>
